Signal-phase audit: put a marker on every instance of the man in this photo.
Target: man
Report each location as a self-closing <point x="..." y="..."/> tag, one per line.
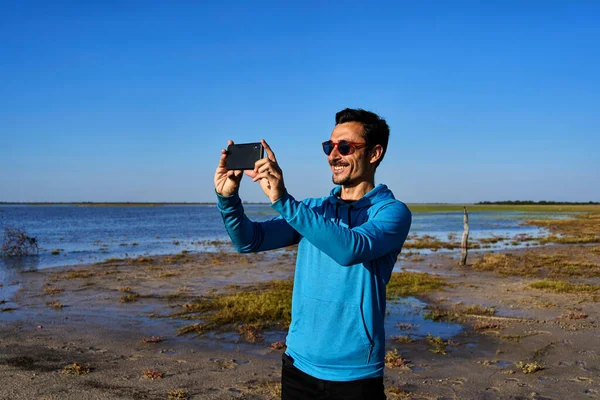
<point x="348" y="243"/>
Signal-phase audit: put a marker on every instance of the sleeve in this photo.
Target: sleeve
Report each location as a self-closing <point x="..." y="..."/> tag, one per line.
<point x="382" y="234"/>
<point x="248" y="236"/>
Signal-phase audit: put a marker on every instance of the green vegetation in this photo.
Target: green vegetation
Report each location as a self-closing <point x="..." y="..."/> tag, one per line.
<point x="429" y="242"/>
<point x="456" y="313"/>
<point x="437" y="344"/>
<point x="76" y="369"/>
<point x="413" y="283"/>
<point x="178" y="394"/>
<point x="569" y="208"/>
<point x="264" y="305"/>
<point x="574" y="261"/>
<point x="129" y="298"/>
<point x="562" y="286"/>
<point x="393" y="359"/>
<point x="529" y="368"/>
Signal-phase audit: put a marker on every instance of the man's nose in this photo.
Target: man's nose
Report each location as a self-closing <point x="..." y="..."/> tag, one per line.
<point x="334" y="155"/>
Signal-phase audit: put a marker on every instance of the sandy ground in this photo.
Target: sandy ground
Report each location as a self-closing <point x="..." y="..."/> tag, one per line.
<point x="95" y="329"/>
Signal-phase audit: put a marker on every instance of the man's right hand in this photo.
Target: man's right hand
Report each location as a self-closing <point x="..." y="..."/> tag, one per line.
<point x="227" y="182"/>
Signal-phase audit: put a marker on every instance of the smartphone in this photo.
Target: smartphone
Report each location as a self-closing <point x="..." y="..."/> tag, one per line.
<point x="243" y="156"/>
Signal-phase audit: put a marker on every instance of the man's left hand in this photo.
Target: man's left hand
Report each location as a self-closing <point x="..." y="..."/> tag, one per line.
<point x="268" y="174"/>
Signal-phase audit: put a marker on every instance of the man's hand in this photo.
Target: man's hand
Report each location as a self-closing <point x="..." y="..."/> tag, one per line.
<point x="269" y="175"/>
<point x="227" y="182"/>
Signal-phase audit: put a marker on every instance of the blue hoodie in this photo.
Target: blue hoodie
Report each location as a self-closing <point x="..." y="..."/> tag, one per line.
<point x="346" y="252"/>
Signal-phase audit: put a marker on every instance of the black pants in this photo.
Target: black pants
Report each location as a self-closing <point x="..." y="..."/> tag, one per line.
<point x="296" y="385"/>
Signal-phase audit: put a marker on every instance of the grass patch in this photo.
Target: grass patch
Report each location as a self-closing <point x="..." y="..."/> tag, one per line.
<point x="73" y="275"/>
<point x="402" y="339"/>
<point x="152" y="339"/>
<point x="167" y="275"/>
<point x="55" y="304"/>
<point x="393" y="359"/>
<point x="581" y="228"/>
<point x="53" y="290"/>
<point x="129" y="298"/>
<point x="577" y="261"/>
<point x="529" y="368"/>
<point x="413" y="283"/>
<point x="178" y="394"/>
<point x="456" y="313"/>
<point x="437" y="344"/>
<point x="152" y="374"/>
<point x="262" y="306"/>
<point x="76" y="369"/>
<point x="562" y="286"/>
<point x="429" y="242"/>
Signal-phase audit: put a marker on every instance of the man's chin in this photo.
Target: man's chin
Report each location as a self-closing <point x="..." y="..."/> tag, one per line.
<point x="338" y="180"/>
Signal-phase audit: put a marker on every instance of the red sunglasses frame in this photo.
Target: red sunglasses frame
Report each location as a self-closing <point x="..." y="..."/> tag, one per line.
<point x="353" y="146"/>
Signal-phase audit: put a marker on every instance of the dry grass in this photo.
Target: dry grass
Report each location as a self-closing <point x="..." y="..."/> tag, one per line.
<point x="152" y="374"/>
<point x="152" y="339"/>
<point x="251" y="332"/>
<point x="562" y="286"/>
<point x="76" y="369"/>
<point x="73" y="274"/>
<point x="55" y="304"/>
<point x="456" y="312"/>
<point x="129" y="298"/>
<point x="269" y="389"/>
<point x="178" y="394"/>
<point x="575" y="261"/>
<point x="402" y="339"/>
<point x="437" y="344"/>
<point x="52" y="290"/>
<point x="429" y="242"/>
<point x="583" y="227"/>
<point x="529" y="368"/>
<point x="393" y="359"/>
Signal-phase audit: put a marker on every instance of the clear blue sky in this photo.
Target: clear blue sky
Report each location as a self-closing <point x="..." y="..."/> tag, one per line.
<point x="133" y="100"/>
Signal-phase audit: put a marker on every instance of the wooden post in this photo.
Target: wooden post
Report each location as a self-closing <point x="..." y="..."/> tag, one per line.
<point x="465" y="240"/>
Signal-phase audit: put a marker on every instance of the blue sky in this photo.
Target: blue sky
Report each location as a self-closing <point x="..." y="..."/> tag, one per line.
<point x="132" y="100"/>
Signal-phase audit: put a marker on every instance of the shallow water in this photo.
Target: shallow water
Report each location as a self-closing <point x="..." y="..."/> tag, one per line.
<point x="92" y="234"/>
<point x="410" y="312"/>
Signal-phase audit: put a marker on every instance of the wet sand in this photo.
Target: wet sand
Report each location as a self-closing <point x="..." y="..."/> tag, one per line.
<point x="97" y="330"/>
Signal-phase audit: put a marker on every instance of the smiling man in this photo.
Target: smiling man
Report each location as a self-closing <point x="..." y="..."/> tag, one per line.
<point x="348" y="243"/>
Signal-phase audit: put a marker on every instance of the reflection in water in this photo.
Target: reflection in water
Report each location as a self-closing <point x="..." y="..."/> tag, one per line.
<point x="9" y="276"/>
<point x="409" y="314"/>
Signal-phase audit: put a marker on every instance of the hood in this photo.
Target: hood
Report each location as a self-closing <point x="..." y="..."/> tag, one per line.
<point x="378" y="194"/>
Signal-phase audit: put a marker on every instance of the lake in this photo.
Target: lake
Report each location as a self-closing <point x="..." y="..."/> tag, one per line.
<point x="87" y="234"/>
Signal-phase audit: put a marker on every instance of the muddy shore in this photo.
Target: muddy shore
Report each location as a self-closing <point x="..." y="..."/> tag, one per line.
<point x="535" y="345"/>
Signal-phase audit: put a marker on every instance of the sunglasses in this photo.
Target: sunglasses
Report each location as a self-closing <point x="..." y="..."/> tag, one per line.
<point x="343" y="147"/>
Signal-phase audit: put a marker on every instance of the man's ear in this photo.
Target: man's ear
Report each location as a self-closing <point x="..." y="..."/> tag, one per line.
<point x="376" y="153"/>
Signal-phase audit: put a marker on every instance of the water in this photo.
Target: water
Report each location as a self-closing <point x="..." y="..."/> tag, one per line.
<point x="92" y="234"/>
<point x="410" y="312"/>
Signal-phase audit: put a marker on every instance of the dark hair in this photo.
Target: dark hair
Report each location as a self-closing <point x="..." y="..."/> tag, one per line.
<point x="375" y="129"/>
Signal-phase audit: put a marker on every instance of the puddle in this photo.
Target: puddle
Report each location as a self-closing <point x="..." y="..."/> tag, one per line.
<point x="410" y="312"/>
<point x="502" y="364"/>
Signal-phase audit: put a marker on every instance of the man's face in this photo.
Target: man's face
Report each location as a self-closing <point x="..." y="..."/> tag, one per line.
<point x="350" y="169"/>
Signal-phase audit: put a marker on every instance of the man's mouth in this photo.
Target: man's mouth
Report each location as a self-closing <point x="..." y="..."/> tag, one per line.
<point x="338" y="167"/>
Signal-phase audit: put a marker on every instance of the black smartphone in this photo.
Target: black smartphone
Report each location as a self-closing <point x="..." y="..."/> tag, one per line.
<point x="243" y="156"/>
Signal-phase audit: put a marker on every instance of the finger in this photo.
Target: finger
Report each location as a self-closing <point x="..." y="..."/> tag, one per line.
<point x="258" y="164"/>
<point x="270" y="153"/>
<point x="268" y="166"/>
<point x="264" y="175"/>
